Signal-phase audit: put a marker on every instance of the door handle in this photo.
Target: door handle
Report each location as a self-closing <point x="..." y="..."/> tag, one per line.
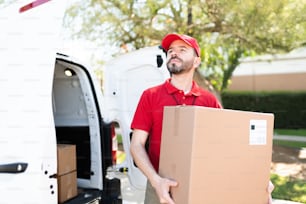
<point x="13" y="168"/>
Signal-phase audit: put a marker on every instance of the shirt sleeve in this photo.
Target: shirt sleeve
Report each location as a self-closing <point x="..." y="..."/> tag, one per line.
<point x="143" y="115"/>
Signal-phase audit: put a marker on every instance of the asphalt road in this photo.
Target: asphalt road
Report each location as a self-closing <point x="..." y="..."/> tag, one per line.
<point x="132" y="195"/>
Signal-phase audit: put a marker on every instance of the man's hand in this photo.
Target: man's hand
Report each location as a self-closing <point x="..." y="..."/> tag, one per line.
<point x="162" y="187"/>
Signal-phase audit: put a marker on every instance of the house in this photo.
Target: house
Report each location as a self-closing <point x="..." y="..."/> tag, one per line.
<point x="281" y="72"/>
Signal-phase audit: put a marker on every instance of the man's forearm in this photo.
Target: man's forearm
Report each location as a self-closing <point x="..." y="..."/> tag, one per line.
<point x="143" y="162"/>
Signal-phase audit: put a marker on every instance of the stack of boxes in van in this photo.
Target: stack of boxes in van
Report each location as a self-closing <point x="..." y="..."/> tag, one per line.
<point x="66" y="171"/>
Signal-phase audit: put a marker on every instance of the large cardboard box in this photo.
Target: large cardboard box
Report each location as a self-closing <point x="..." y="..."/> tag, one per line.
<point x="67" y="186"/>
<point x="66" y="158"/>
<point x="218" y="156"/>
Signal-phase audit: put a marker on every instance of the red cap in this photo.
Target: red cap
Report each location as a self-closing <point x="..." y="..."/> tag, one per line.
<point x="168" y="39"/>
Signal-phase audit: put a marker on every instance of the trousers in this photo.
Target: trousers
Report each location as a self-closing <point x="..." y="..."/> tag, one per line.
<point x="151" y="196"/>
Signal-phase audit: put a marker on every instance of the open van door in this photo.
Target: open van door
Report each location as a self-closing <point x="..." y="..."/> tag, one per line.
<point x="28" y="38"/>
<point x="126" y="78"/>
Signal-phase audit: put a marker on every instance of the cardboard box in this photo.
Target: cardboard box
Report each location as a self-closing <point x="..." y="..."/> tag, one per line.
<point x="66" y="172"/>
<point x="67" y="186"/>
<point x="218" y="156"/>
<point x="66" y="158"/>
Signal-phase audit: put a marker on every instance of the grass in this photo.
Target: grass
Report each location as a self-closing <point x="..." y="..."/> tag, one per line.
<point x="120" y="157"/>
<point x="295" y="132"/>
<point x="287" y="188"/>
<point x="120" y="154"/>
<point x="119" y="138"/>
<point x="290" y="143"/>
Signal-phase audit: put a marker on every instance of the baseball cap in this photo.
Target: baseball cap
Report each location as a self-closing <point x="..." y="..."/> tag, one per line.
<point x="169" y="38"/>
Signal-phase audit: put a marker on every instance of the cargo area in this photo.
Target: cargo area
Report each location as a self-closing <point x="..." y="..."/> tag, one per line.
<point x="78" y="124"/>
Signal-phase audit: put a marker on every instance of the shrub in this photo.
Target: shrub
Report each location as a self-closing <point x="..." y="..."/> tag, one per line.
<point x="289" y="108"/>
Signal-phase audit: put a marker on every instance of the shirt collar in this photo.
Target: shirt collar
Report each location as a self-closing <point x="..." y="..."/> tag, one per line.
<point x="195" y="89"/>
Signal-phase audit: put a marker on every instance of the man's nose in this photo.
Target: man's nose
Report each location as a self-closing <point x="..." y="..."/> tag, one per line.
<point x="173" y="54"/>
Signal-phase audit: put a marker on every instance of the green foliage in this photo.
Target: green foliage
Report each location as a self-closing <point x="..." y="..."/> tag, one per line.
<point x="287" y="188"/>
<point x="289" y="108"/>
<point x="296" y="132"/>
<point x="219" y="64"/>
<point x="293" y="132"/>
<point x="292" y="144"/>
<point x="4" y="3"/>
<point x="226" y="29"/>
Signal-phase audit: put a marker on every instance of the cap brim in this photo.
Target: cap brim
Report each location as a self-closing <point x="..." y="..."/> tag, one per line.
<point x="166" y="42"/>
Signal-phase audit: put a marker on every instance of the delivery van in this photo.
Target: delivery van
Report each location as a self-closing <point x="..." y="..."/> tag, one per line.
<point x="54" y="115"/>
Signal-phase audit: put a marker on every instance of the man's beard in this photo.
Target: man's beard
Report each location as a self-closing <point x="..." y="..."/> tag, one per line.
<point x="173" y="68"/>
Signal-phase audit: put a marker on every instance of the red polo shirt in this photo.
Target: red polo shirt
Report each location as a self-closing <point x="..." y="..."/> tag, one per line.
<point x="149" y="112"/>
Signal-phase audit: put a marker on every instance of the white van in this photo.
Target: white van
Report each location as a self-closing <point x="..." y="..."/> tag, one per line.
<point x="49" y="99"/>
<point x="126" y="77"/>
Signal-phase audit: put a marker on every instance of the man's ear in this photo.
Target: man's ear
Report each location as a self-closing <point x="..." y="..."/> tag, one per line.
<point x="197" y="61"/>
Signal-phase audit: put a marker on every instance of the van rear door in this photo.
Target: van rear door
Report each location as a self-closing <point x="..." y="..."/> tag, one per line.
<point x="126" y="77"/>
<point x="28" y="37"/>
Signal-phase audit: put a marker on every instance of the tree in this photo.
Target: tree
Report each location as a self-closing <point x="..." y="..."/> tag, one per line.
<point x="4" y="3"/>
<point x="226" y="29"/>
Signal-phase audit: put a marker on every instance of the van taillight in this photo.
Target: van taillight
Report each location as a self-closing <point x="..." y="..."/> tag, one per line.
<point x="32" y="5"/>
<point x="114" y="144"/>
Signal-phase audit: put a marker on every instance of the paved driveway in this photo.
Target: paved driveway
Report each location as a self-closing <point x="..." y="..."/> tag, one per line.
<point x="132" y="195"/>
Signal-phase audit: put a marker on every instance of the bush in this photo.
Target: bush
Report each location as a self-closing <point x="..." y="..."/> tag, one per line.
<point x="287" y="188"/>
<point x="289" y="108"/>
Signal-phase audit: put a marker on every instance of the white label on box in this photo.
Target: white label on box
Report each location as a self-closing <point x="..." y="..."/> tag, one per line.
<point x="258" y="132"/>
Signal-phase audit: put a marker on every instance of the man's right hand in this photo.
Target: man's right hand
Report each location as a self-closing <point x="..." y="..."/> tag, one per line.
<point x="162" y="187"/>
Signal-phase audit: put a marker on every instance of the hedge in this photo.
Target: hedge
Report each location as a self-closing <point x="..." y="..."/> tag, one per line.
<point x="289" y="108"/>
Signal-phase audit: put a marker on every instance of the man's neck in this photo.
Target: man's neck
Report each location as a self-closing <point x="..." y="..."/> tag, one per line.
<point x="182" y="81"/>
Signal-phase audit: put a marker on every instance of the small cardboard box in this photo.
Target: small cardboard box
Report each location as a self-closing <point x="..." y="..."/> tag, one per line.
<point x="66" y="158"/>
<point x="217" y="156"/>
<point x="67" y="186"/>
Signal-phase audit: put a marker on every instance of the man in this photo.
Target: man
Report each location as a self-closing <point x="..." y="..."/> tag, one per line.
<point x="183" y="57"/>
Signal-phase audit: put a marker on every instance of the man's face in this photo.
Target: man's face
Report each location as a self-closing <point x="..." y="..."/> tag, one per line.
<point x="181" y="57"/>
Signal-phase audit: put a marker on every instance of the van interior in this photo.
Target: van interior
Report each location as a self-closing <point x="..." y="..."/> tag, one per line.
<point x="78" y="121"/>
